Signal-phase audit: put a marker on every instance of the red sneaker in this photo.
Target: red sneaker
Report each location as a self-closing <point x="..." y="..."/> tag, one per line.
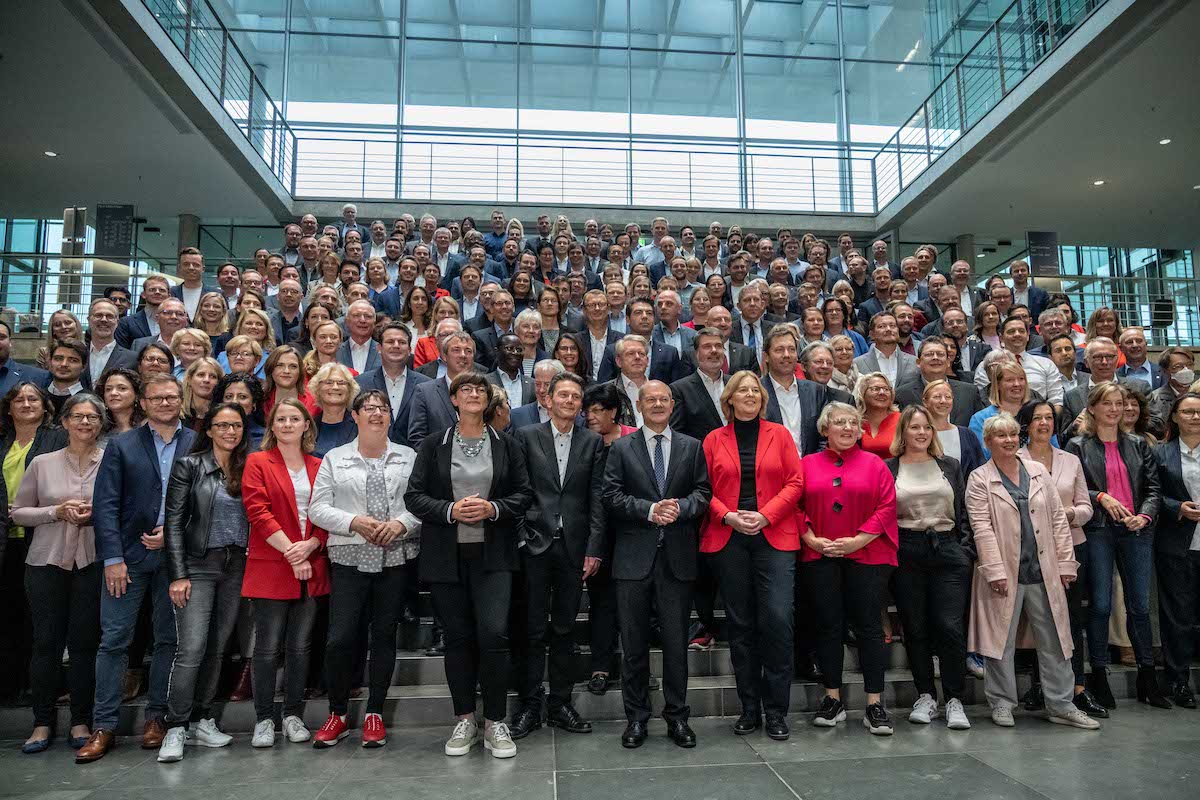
<point x="332" y="732"/>
<point x="702" y="642"/>
<point x="373" y="734"/>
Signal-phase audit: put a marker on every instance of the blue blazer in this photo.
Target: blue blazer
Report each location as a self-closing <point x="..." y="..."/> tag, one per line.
<point x="128" y="492"/>
<point x="373" y="379"/>
<point x="134" y="326"/>
<point x="971" y="451"/>
<point x="431" y="412"/>
<point x="1038" y="300"/>
<point x="373" y="361"/>
<point x="665" y="364"/>
<point x="14" y="372"/>
<point x="1158" y="378"/>
<point x="389" y="302"/>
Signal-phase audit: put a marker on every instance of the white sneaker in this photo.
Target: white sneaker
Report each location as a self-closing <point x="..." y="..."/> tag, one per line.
<point x="464" y="737"/>
<point x="171" y="748"/>
<point x="956" y="717"/>
<point x="499" y="741"/>
<point x="294" y="730"/>
<point x="205" y="733"/>
<point x="264" y="734"/>
<point x="1003" y="716"/>
<point x="975" y="665"/>
<point x="1076" y="719"/>
<point x="924" y="711"/>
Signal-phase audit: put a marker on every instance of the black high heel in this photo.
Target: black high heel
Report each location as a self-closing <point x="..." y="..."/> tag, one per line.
<point x="1098" y="686"/>
<point x="1148" y="690"/>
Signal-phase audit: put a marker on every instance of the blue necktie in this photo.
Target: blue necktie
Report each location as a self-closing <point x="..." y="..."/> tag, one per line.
<point x="660" y="467"/>
<point x="751" y="339"/>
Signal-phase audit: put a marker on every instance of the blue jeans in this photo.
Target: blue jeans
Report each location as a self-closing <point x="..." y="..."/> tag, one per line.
<point x="1133" y="554"/>
<point x="118" y="618"/>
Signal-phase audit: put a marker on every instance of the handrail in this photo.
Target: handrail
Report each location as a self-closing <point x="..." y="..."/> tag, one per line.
<point x="207" y="45"/>
<point x="1009" y="49"/>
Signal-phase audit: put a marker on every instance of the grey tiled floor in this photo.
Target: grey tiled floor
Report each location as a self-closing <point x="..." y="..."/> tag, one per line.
<point x="1140" y="751"/>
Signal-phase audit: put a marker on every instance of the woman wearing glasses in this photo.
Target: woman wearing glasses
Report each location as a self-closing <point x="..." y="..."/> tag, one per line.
<point x="205" y="535"/>
<point x="468" y="487"/>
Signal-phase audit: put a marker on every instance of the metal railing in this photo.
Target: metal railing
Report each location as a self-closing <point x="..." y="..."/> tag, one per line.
<point x="34" y="286"/>
<point x="1025" y="33"/>
<point x="210" y="49"/>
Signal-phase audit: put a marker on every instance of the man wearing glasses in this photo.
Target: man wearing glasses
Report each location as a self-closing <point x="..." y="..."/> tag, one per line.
<point x="1100" y="355"/>
<point x="129" y="506"/>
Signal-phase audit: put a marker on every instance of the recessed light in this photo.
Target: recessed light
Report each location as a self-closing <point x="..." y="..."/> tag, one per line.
<point x="1097" y="183"/>
<point x="51" y="154"/>
<point x="1164" y="141"/>
<point x="1197" y="186"/>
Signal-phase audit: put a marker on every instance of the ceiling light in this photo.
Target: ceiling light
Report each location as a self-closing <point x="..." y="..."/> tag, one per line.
<point x="1197" y="186"/>
<point x="51" y="154"/>
<point x="1164" y="141"/>
<point x="1097" y="183"/>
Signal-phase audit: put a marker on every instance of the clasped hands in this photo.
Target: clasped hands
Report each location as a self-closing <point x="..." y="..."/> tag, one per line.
<point x="747" y="522"/>
<point x="297" y="554"/>
<point x="378" y="532"/>
<point x="1117" y="510"/>
<point x="76" y="512"/>
<point x="472" y="510"/>
<point x="837" y="548"/>
<point x="665" y="512"/>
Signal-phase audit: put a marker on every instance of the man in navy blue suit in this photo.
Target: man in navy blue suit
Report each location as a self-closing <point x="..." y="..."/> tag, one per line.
<point x="13" y="372"/>
<point x="395" y="378"/>
<point x="665" y="364"/>
<point x="155" y="289"/>
<point x="128" y="508"/>
<point x="1024" y="293"/>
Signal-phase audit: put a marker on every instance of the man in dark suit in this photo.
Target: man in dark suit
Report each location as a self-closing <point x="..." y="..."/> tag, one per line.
<point x="155" y="289"/>
<point x="793" y="403"/>
<point x="881" y="279"/>
<point x="129" y="506"/>
<point x="359" y="351"/>
<point x="933" y="365"/>
<point x="1025" y="293"/>
<point x="737" y="357"/>
<point x="190" y="268"/>
<point x="751" y="327"/>
<point x="507" y="374"/>
<point x="172" y="318"/>
<point x="656" y="489"/>
<point x="14" y="372"/>
<point x="432" y="412"/>
<point x="395" y="378"/>
<point x="697" y="397"/>
<point x="1100" y="356"/>
<point x="488" y="338"/>
<point x="538" y="411"/>
<point x="596" y="334"/>
<point x="350" y="222"/>
<point x="1132" y="342"/>
<point x="665" y="364"/>
<point x="562" y="542"/>
<point x="104" y="353"/>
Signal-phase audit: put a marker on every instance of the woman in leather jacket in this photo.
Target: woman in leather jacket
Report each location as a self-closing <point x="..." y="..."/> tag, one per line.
<point x="1122" y="481"/>
<point x="205" y="535"/>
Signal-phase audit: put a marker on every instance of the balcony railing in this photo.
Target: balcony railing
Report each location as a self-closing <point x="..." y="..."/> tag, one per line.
<point x="210" y="49"/>
<point x="1011" y="47"/>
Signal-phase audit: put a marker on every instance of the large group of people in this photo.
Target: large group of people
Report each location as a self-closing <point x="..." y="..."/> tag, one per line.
<point x="274" y="463"/>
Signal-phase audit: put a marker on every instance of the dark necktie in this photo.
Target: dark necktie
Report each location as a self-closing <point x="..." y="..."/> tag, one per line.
<point x="660" y="466"/>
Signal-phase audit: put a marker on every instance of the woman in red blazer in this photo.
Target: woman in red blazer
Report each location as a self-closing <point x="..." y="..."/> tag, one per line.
<point x="286" y="565"/>
<point x="752" y="533"/>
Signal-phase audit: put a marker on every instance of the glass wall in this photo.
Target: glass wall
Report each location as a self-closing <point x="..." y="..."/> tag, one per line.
<point x="736" y="103"/>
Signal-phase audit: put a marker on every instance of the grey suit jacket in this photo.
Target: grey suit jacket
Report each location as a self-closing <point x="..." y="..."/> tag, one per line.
<point x="528" y="395"/>
<point x="344" y="356"/>
<point x="1075" y="401"/>
<point x="905" y="369"/>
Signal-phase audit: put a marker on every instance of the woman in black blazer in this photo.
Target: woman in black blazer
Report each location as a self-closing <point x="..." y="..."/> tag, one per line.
<point x="1177" y="564"/>
<point x="469" y="486"/>
<point x="1121" y="530"/>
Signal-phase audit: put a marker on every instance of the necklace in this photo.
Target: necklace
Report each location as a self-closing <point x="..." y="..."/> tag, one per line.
<point x="469" y="449"/>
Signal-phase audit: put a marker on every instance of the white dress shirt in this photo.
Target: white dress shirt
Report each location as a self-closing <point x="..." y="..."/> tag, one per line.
<point x="1190" y="461"/>
<point x="631" y="390"/>
<point x="470" y="308"/>
<point x="964" y="299"/>
<point x="1044" y="378"/>
<point x="599" y="343"/>
<point x="714" y="389"/>
<point x="889" y="365"/>
<point x="758" y="336"/>
<point x="789" y="408"/>
<point x="512" y="387"/>
<point x="358" y="355"/>
<point x="377" y="250"/>
<point x="651" y="446"/>
<point x="98" y="360"/>
<point x="191" y="299"/>
<point x="562" y="451"/>
<point x="617" y="322"/>
<point x="395" y="390"/>
<point x="70" y="391"/>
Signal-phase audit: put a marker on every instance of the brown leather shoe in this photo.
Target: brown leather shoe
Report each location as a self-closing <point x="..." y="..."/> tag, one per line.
<point x="152" y="734"/>
<point x="98" y="745"/>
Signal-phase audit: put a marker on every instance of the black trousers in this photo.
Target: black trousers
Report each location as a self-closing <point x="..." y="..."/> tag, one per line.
<point x="16" y="627"/>
<point x="475" y="613"/>
<point x="1178" y="590"/>
<point x="354" y="597"/>
<point x="282" y="627"/>
<point x="68" y="604"/>
<point x="841" y="589"/>
<point x="553" y="585"/>
<point x="635" y="601"/>
<point x="602" y="617"/>
<point x="804" y="626"/>
<point x="704" y="595"/>
<point x="756" y="583"/>
<point x="930" y="585"/>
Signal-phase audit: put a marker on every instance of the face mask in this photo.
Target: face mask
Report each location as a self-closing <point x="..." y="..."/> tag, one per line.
<point x="1184" y="377"/>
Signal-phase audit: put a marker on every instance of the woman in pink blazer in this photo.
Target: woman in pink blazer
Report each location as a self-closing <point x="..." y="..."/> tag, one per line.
<point x="752" y="533"/>
<point x="1066" y="472"/>
<point x="1025" y="563"/>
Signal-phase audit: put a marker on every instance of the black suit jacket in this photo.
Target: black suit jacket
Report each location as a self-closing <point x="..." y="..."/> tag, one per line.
<point x="486" y="343"/>
<point x="813" y="397"/>
<point x="694" y="414"/>
<point x="430" y="412"/>
<point x="134" y="326"/>
<point x="431" y="494"/>
<point x="665" y="364"/>
<point x="373" y="379"/>
<point x="578" y="501"/>
<point x="1173" y="536"/>
<point x="430" y="368"/>
<point x="966" y="398"/>
<point x="630" y="490"/>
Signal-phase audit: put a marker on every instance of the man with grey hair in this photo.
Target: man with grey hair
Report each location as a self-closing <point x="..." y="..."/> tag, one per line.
<point x="359" y="351"/>
<point x="349" y="222"/>
<point x="1100" y="356"/>
<point x="632" y="355"/>
<point x="437" y="367"/>
<point x="425" y="229"/>
<point x="538" y="411"/>
<point x="432" y="412"/>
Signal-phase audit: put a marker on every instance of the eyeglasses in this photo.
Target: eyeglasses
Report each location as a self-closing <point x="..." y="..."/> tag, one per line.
<point x="335" y="382"/>
<point x="93" y="418"/>
<point x="1190" y="413"/>
<point x="375" y="409"/>
<point x="163" y="400"/>
<point x="226" y="427"/>
<point x="843" y="423"/>
<point x="473" y="390"/>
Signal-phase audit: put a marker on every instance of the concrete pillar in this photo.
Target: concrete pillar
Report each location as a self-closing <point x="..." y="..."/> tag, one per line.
<point x="964" y="249"/>
<point x="189" y="231"/>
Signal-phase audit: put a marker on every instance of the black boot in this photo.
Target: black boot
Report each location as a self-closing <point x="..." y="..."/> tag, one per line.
<point x="1147" y="689"/>
<point x="1098" y="686"/>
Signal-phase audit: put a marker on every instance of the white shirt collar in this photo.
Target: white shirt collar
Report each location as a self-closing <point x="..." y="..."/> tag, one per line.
<point x="649" y="434"/>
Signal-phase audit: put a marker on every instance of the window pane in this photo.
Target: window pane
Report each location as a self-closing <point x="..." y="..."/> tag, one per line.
<point x="574" y="89"/>
<point x="693" y="24"/>
<point x="882" y="97"/>
<point x="365" y="17"/>
<point x="326" y="85"/>
<point x="886" y="30"/>
<point x="461" y="84"/>
<point x="790" y="98"/>
<point x="257" y="15"/>
<point x="665" y="100"/>
<point x="790" y="28"/>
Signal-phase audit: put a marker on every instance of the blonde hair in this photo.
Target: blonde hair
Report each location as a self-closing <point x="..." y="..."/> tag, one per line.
<point x="733" y="384"/>
<point x="307" y="442"/>
<point x="197" y="334"/>
<point x="190" y="372"/>
<point x="1087" y="423"/>
<point x="240" y="341"/>
<point x="222" y="321"/>
<point x="311" y="362"/>
<point x="1001" y="423"/>
<point x="899" y="446"/>
<point x="329" y="371"/>
<point x="268" y="342"/>
<point x="1001" y="369"/>
<point x="860" y="390"/>
<point x="837" y="408"/>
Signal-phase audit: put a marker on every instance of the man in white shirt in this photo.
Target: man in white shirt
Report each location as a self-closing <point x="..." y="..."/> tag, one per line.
<point x="781" y="356"/>
<point x="750" y="328"/>
<point x="469" y="280"/>
<point x="172" y="317"/>
<point x="1132" y="342"/>
<point x="508" y="375"/>
<point x="377" y="248"/>
<point x="229" y="281"/>
<point x="739" y="267"/>
<point x="1042" y="375"/>
<point x="191" y="269"/>
<point x="615" y="292"/>
<point x="360" y="347"/>
<point x="1063" y="356"/>
<point x="960" y="277"/>
<point x="66" y="370"/>
<point x="885" y="354"/>
<point x="102" y="322"/>
<point x="698" y="396"/>
<point x="633" y="357"/>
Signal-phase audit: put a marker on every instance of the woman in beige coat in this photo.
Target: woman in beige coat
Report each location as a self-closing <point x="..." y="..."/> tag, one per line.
<point x="1025" y="562"/>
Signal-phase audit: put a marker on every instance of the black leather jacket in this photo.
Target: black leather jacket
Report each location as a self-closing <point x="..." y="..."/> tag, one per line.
<point x="190" y="495"/>
<point x="1143" y="476"/>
